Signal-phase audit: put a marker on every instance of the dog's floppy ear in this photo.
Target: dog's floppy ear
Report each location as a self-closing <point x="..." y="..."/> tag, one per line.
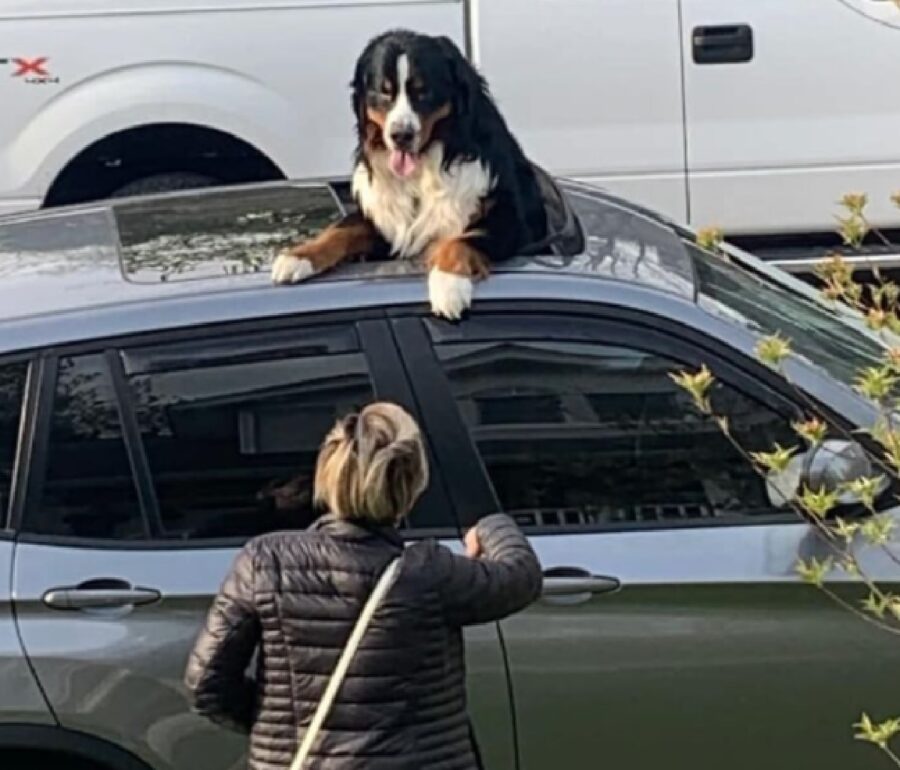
<point x="358" y="95"/>
<point x="468" y="85"/>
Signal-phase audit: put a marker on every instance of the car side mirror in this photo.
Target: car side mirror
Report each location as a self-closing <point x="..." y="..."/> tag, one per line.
<point x="829" y="466"/>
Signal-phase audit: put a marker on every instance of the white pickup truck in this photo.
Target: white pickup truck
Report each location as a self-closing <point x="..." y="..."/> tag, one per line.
<point x="753" y="115"/>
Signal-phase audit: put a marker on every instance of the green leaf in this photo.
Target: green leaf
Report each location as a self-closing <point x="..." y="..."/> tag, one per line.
<point x="855" y="203"/>
<point x="845" y="529"/>
<point x="777" y="460"/>
<point x="878" y="733"/>
<point x="878" y="530"/>
<point x="812" y="430"/>
<point x="817" y="503"/>
<point x="876" y="382"/>
<point x="814" y="571"/>
<point x="875" y="605"/>
<point x="697" y="385"/>
<point x="866" y="488"/>
<point x="710" y="238"/>
<point x="772" y="350"/>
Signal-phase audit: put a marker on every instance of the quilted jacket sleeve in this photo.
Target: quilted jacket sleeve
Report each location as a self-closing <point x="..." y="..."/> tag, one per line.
<point x="216" y="671"/>
<point x="505" y="579"/>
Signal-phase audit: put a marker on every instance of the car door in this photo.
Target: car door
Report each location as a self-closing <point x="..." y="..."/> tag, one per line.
<point x="785" y="111"/>
<point x="158" y="459"/>
<point x="673" y="630"/>
<point x="592" y="89"/>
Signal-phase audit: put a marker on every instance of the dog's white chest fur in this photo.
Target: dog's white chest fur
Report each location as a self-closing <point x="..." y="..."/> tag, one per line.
<point x="433" y="203"/>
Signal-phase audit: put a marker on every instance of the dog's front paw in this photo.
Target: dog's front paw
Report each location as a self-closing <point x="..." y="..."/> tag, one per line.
<point x="288" y="268"/>
<point x="450" y="294"/>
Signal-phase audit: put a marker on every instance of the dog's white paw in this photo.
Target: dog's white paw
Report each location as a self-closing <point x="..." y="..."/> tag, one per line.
<point x="290" y="269"/>
<point x="450" y="294"/>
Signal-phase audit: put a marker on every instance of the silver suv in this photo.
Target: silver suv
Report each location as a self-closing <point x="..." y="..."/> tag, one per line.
<point x="160" y="403"/>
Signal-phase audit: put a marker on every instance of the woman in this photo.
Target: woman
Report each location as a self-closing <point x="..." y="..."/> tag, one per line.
<point x="295" y="596"/>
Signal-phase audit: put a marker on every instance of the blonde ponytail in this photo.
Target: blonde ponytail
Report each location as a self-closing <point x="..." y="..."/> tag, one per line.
<point x="372" y="465"/>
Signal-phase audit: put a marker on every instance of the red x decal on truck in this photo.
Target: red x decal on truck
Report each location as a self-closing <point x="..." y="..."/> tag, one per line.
<point x="31" y="67"/>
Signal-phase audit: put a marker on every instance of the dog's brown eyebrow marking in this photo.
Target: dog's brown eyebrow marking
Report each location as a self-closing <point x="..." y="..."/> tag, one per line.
<point x="429" y="121"/>
<point x="377" y="117"/>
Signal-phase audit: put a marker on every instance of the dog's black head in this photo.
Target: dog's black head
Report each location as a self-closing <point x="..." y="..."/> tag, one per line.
<point x="410" y="90"/>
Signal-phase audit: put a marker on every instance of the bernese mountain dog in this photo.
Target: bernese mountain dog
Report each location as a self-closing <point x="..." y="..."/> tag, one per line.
<point x="438" y="174"/>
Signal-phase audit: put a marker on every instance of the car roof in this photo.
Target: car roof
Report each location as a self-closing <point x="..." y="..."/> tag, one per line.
<point x="186" y="259"/>
<point x="212" y="248"/>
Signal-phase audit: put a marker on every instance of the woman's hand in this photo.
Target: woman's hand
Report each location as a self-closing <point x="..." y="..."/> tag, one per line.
<point x="473" y="544"/>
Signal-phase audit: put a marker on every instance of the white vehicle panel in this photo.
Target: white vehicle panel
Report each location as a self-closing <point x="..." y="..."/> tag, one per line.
<point x="592" y="89"/>
<point x="273" y="74"/>
<point x="774" y="143"/>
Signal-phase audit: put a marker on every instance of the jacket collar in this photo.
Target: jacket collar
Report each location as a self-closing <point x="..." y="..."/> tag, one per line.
<point x="355" y="529"/>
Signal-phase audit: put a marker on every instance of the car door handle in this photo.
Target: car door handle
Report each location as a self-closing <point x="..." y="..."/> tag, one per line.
<point x="573" y="586"/>
<point x="722" y="44"/>
<point x="100" y="594"/>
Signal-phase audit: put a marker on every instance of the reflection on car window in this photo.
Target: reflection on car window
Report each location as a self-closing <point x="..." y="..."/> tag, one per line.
<point x="88" y="487"/>
<point x="204" y="235"/>
<point x="815" y="332"/>
<point x="12" y="388"/>
<point x="232" y="431"/>
<point x="623" y="243"/>
<point x="591" y="435"/>
<point x="34" y="249"/>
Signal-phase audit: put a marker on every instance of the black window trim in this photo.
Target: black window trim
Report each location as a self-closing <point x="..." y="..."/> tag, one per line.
<point x="375" y="343"/>
<point x="145" y="490"/>
<point x="34" y="426"/>
<point x="635" y="329"/>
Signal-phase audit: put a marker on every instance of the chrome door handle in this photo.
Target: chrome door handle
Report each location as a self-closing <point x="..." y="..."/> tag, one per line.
<point x="99" y="594"/>
<point x="571" y="586"/>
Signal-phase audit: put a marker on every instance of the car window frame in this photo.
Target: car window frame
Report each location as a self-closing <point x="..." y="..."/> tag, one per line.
<point x="24" y="438"/>
<point x="633" y="329"/>
<point x="388" y="379"/>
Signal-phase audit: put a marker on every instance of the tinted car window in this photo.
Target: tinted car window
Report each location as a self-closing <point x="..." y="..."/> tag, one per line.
<point x="88" y="488"/>
<point x="12" y="388"/>
<point x="815" y="331"/>
<point x="231" y="428"/>
<point x="579" y="435"/>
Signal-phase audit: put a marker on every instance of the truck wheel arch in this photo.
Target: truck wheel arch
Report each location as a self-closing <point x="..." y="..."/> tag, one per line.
<point x="123" y="159"/>
<point x="131" y="102"/>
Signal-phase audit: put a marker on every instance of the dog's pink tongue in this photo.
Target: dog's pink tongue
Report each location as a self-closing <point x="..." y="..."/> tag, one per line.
<point x="402" y="163"/>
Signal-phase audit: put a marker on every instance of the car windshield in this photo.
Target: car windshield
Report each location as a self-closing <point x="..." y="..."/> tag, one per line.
<point x="839" y="345"/>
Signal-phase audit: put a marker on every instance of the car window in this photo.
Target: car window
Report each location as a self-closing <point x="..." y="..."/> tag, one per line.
<point x="88" y="489"/>
<point x="591" y="435"/>
<point x="231" y="427"/>
<point x="12" y="389"/>
<point x="815" y="331"/>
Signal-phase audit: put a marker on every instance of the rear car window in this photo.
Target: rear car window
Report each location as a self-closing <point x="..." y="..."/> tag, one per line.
<point x="232" y="429"/>
<point x="88" y="490"/>
<point x="218" y="435"/>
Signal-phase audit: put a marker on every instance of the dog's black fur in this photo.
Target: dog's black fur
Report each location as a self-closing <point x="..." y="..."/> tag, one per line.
<point x="474" y="130"/>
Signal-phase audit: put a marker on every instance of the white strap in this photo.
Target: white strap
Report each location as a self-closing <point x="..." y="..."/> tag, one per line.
<point x="340" y="671"/>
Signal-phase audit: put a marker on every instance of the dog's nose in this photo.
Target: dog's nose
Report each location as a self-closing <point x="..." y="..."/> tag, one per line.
<point x="403" y="137"/>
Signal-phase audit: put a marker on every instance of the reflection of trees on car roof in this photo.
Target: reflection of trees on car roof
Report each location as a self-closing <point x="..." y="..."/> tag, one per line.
<point x="228" y="232"/>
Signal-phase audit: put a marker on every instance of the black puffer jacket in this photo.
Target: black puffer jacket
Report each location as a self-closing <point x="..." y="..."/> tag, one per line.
<point x="296" y="596"/>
